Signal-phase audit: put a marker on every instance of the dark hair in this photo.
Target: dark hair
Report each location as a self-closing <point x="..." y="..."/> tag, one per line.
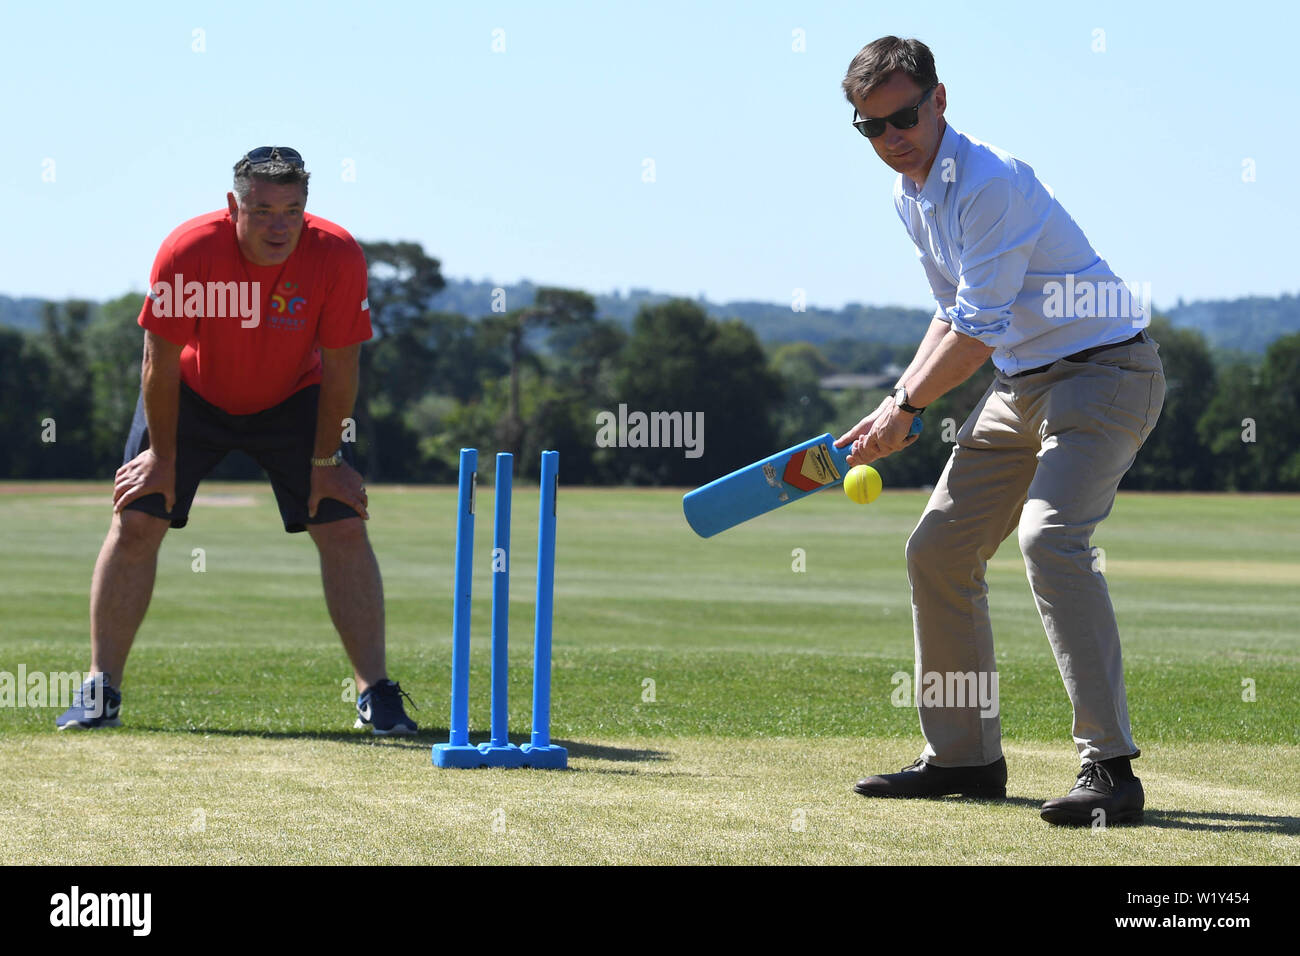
<point x="879" y="59"/>
<point x="274" y="171"/>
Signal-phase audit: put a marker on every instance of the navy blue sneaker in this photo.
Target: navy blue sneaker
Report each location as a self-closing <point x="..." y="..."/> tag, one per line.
<point x="95" y="704"/>
<point x="380" y="708"/>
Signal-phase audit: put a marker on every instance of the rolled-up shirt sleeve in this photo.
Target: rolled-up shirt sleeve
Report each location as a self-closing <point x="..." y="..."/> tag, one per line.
<point x="999" y="231"/>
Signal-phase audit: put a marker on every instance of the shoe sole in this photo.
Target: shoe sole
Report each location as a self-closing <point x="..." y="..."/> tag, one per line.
<point x="399" y="731"/>
<point x="968" y="794"/>
<point x="77" y="725"/>
<point x="1065" y="818"/>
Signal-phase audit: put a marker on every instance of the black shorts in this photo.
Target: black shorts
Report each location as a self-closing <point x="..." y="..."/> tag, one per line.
<point x="280" y="439"/>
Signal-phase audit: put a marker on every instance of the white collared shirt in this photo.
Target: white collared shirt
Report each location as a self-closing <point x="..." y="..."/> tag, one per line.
<point x="1006" y="263"/>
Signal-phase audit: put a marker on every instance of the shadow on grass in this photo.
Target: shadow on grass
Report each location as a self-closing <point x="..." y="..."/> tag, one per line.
<point x="1204" y="820"/>
<point x="601" y="752"/>
<point x="423" y="740"/>
<point x="1217" y="820"/>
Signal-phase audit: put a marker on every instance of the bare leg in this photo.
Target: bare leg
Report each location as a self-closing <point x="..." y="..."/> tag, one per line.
<point x="354" y="594"/>
<point x="121" y="588"/>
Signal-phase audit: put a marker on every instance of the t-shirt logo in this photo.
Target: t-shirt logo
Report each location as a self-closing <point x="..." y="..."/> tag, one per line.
<point x="286" y="303"/>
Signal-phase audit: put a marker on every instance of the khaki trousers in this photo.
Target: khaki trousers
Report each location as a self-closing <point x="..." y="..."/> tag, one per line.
<point x="1044" y="452"/>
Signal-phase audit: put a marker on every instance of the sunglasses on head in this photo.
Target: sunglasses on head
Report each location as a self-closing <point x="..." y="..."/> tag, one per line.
<point x="273" y="154"/>
<point x="905" y="118"/>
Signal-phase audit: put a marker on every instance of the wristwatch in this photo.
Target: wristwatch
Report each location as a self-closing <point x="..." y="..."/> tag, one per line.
<point x="900" y="399"/>
<point x="330" y="462"/>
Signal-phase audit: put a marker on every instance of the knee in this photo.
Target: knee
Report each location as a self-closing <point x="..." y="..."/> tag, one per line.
<point x="346" y="535"/>
<point x="928" y="544"/>
<point x="1046" y="544"/>
<point x="137" y="535"/>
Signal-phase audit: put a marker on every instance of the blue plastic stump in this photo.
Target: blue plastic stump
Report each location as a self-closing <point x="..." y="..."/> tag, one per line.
<point x="458" y="749"/>
<point x="540" y="752"/>
<point x="499" y="752"/>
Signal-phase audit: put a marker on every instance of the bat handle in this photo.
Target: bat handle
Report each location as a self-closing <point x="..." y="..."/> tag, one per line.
<point x="915" y="431"/>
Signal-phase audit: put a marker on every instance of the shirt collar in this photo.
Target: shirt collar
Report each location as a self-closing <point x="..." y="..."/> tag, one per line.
<point x="936" y="186"/>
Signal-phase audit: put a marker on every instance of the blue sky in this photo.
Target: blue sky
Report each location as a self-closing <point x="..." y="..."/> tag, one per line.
<point x="528" y="162"/>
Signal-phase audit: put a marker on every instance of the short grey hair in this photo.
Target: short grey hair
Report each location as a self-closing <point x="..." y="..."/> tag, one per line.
<point x="280" y="173"/>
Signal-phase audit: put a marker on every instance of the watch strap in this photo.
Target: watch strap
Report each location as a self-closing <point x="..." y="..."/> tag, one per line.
<point x="903" y="404"/>
<point x="330" y="462"/>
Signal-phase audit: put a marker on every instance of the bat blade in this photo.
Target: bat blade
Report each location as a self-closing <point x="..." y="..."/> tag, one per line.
<point x="769" y="484"/>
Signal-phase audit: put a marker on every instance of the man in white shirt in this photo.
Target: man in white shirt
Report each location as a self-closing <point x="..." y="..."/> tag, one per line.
<point x="1078" y="388"/>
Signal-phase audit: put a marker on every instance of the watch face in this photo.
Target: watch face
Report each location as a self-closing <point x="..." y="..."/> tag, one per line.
<point x="900" y="401"/>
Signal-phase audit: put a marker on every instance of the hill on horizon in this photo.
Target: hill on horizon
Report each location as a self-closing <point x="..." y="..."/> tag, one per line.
<point x="1245" y="325"/>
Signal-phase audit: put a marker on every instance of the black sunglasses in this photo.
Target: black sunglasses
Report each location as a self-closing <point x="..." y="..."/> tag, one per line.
<point x="905" y="118"/>
<point x="273" y="154"/>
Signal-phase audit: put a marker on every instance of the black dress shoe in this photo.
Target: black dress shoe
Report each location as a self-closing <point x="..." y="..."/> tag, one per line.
<point x="926" y="780"/>
<point x="1120" y="801"/>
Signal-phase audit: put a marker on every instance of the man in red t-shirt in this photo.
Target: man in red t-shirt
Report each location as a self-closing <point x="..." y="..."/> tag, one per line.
<point x="253" y="330"/>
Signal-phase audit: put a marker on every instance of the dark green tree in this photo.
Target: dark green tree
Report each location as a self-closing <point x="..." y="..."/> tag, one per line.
<point x="582" y="367"/>
<point x="402" y="281"/>
<point x="64" y="390"/>
<point x="25" y="401"/>
<point x="1228" y="429"/>
<point x="552" y="309"/>
<point x="804" y="409"/>
<point x="677" y="359"/>
<point x="114" y="348"/>
<point x="1173" y="458"/>
<point x="1278" y="438"/>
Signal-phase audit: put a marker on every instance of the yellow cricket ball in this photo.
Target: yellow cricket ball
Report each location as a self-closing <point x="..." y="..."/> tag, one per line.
<point x="862" y="484"/>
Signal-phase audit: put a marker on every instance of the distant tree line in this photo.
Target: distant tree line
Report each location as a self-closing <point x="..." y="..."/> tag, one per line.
<point x="538" y="375"/>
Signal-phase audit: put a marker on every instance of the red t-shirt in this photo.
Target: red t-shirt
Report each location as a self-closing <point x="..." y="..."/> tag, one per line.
<point x="248" y="347"/>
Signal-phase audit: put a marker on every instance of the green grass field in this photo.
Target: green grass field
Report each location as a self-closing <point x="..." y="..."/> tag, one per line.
<point x="717" y="704"/>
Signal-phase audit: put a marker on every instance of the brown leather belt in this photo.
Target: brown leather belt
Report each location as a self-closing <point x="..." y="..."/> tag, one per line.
<point x="1079" y="356"/>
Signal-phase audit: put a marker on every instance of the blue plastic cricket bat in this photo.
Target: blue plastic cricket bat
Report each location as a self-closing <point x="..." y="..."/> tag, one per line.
<point x="768" y="484"/>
